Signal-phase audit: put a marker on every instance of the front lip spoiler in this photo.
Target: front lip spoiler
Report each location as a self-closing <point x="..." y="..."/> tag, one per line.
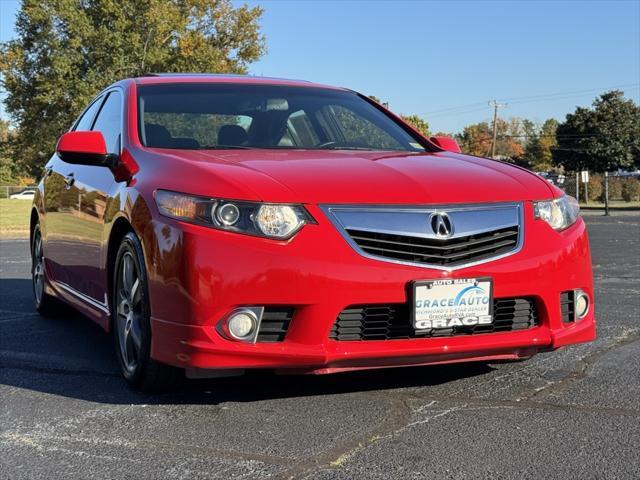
<point x="428" y="209"/>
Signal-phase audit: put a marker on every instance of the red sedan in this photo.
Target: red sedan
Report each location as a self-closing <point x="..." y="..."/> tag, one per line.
<point x="223" y="223"/>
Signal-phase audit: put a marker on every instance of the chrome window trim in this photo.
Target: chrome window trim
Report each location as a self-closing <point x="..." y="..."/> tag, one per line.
<point x="329" y="210"/>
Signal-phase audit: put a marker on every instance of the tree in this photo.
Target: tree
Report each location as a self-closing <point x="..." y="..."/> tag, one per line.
<point x="476" y="139"/>
<point x="602" y="138"/>
<point x="7" y="174"/>
<point x="538" y="153"/>
<point x="509" y="139"/>
<point x="418" y="123"/>
<point x="66" y="51"/>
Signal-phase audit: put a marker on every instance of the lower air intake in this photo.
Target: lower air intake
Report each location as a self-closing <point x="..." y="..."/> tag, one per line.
<point x="275" y="323"/>
<point x="393" y="321"/>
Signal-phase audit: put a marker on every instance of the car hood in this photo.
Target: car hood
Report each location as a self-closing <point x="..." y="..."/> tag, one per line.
<point x="363" y="177"/>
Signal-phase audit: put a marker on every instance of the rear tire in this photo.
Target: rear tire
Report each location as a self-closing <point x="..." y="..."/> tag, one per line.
<point x="131" y="322"/>
<point x="46" y="305"/>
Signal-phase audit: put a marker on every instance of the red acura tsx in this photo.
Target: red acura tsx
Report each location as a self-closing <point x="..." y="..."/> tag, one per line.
<point x="218" y="223"/>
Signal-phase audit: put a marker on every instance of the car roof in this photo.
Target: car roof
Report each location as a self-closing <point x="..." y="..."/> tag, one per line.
<point x="164" y="78"/>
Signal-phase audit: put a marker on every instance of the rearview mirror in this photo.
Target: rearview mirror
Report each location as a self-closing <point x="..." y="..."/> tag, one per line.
<point x="446" y="143"/>
<point x="85" y="148"/>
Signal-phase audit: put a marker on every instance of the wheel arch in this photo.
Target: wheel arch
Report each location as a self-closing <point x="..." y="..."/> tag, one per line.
<point x="121" y="226"/>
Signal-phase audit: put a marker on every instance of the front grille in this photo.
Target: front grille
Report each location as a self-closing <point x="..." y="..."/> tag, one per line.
<point x="567" y="306"/>
<point x="275" y="323"/>
<point x="449" y="252"/>
<point x="393" y="322"/>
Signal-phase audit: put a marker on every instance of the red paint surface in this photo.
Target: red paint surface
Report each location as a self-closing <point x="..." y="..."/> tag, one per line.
<point x="82" y="142"/>
<point x="446" y="143"/>
<point x="197" y="274"/>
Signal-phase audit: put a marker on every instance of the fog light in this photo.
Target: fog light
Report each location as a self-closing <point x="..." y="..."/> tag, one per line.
<point x="581" y="304"/>
<point x="242" y="324"/>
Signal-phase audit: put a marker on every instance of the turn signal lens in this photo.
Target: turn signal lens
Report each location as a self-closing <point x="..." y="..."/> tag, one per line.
<point x="175" y="205"/>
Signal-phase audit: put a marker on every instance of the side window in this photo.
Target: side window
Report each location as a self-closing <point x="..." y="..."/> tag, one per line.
<point x="85" y="121"/>
<point x="109" y="121"/>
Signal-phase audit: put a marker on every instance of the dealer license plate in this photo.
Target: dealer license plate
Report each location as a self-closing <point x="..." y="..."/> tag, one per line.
<point x="452" y="303"/>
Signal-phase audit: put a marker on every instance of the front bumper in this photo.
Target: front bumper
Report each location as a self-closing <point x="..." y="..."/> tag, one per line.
<point x="197" y="275"/>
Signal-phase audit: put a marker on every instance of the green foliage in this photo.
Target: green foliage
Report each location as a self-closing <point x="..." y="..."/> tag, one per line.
<point x="603" y="138"/>
<point x="538" y="152"/>
<point x="615" y="188"/>
<point x="418" y="123"/>
<point x="67" y="51"/>
<point x="476" y="139"/>
<point x="7" y="174"/>
<point x="631" y="190"/>
<point x="596" y="187"/>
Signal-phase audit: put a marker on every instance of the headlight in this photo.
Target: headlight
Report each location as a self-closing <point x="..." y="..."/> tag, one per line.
<point x="559" y="213"/>
<point x="255" y="218"/>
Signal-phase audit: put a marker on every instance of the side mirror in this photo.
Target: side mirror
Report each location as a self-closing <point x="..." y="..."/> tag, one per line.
<point x="446" y="143"/>
<point x="85" y="148"/>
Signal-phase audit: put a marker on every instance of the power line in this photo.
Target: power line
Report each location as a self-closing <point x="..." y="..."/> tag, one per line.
<point x="473" y="107"/>
<point x="566" y="136"/>
<point x="574" y="92"/>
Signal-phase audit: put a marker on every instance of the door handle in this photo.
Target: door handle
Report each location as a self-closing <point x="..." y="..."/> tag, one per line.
<point x="48" y="171"/>
<point x="69" y="180"/>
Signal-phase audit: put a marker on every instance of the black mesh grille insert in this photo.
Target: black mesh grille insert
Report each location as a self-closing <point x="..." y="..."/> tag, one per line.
<point x="567" y="306"/>
<point x="275" y="323"/>
<point x="452" y="251"/>
<point x="392" y="322"/>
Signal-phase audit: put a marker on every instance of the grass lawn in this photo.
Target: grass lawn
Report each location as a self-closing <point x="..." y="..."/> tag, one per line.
<point x="14" y="218"/>
<point x="617" y="204"/>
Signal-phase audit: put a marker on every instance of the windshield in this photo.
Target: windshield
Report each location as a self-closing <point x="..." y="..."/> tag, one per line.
<point x="225" y="116"/>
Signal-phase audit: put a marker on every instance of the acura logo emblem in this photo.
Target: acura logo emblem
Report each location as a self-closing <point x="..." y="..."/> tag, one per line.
<point x="441" y="225"/>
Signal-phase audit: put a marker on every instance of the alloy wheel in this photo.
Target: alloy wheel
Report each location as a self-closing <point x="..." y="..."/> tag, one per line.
<point x="129" y="311"/>
<point x="37" y="271"/>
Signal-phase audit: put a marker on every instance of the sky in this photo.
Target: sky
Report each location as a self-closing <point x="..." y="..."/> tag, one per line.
<point x="444" y="60"/>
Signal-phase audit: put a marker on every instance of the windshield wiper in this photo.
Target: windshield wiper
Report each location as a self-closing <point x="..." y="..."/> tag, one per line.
<point x="338" y="147"/>
<point x="225" y="147"/>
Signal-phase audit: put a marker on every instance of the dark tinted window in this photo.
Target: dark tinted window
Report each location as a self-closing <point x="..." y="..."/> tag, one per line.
<point x="86" y="120"/>
<point x="109" y="121"/>
<point x="207" y="116"/>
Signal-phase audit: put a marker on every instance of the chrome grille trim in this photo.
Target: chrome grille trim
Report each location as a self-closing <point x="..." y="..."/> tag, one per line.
<point x="356" y="223"/>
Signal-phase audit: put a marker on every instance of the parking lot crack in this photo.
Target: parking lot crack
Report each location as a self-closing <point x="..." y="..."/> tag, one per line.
<point x="397" y="419"/>
<point x="584" y="365"/>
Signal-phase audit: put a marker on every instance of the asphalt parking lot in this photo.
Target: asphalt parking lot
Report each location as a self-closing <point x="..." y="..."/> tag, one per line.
<point x="575" y="413"/>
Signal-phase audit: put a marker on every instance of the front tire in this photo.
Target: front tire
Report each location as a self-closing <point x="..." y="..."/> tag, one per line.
<point x="46" y="305"/>
<point x="131" y="321"/>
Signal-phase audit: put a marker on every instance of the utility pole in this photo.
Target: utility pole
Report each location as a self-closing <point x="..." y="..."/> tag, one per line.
<point x="606" y="193"/>
<point x="495" y="106"/>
